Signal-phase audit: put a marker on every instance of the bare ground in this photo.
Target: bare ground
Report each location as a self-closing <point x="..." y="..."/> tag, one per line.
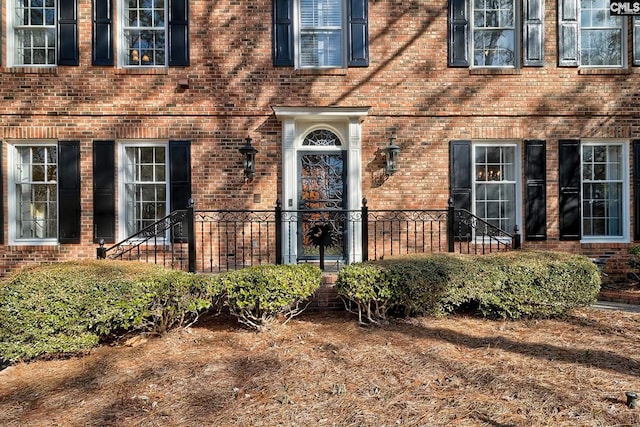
<point x="325" y="370"/>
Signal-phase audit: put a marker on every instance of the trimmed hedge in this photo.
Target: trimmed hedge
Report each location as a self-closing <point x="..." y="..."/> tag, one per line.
<point x="506" y="285"/>
<point x="256" y="295"/>
<point x="68" y="307"/>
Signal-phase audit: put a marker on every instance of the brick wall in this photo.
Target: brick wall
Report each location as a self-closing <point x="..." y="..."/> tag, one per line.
<point x="232" y="86"/>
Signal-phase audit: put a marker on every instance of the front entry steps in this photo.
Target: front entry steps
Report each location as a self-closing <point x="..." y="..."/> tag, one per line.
<point x="326" y="297"/>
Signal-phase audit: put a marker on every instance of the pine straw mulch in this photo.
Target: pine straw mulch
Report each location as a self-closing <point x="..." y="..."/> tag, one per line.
<point x="325" y="370"/>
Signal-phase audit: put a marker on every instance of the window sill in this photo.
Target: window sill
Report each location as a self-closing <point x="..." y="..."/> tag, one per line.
<point x="31" y="70"/>
<point x="494" y="71"/>
<point x="603" y="71"/>
<point x="143" y="71"/>
<point x="321" y="72"/>
<point x="33" y="246"/>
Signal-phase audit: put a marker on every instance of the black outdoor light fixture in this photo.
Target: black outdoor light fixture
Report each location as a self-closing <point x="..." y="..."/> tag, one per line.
<point x="249" y="159"/>
<point x="391" y="153"/>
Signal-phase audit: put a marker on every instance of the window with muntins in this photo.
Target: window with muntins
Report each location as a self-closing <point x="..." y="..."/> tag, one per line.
<point x="602" y="190"/>
<point x="600" y="35"/>
<point x="43" y="33"/>
<point x="495" y="185"/>
<point x="144" y="33"/>
<point x="35" y="193"/>
<point x="494" y="33"/>
<point x="149" y="33"/>
<point x="321" y="24"/>
<point x="590" y="37"/>
<point x="594" y="187"/>
<point x="144" y="185"/>
<point x="35" y="32"/>
<point x="320" y="33"/>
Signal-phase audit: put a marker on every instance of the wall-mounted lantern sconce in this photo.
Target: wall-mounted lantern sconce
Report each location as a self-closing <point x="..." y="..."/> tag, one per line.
<point x="391" y="153"/>
<point x="249" y="159"/>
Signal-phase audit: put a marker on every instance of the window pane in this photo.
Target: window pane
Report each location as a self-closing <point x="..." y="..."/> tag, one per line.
<point x="602" y="190"/>
<point x="601" y="34"/>
<point x="493" y="33"/>
<point x="494" y="48"/>
<point x="145" y="186"/>
<point x="321" y="33"/>
<point x="144" y="33"/>
<point x="34" y="27"/>
<point x="321" y="49"/>
<point x="35" y="179"/>
<point x="495" y="186"/>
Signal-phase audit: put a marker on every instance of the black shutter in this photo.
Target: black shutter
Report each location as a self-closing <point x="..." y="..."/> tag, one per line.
<point x="69" y="192"/>
<point x="178" y="33"/>
<point x="283" y="33"/>
<point x="568" y="33"/>
<point x="569" y="181"/>
<point x="180" y="182"/>
<point x="68" y="52"/>
<point x="533" y="33"/>
<point x="358" y="33"/>
<point x="104" y="192"/>
<point x="458" y="33"/>
<point x="460" y="181"/>
<point x="102" y="49"/>
<point x="535" y="199"/>
<point x="636" y="189"/>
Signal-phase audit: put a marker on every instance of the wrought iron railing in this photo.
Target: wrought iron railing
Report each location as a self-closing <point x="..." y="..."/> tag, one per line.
<point x="473" y="235"/>
<point x="221" y="240"/>
<point x="167" y="242"/>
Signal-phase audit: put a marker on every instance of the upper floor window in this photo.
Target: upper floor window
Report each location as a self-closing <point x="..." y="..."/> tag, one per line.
<point x="601" y="41"/>
<point x="321" y="28"/>
<point x="151" y="33"/>
<point x="491" y="33"/>
<point x="320" y="33"/>
<point x="144" y="33"/>
<point x="494" y="35"/>
<point x="589" y="36"/>
<point x="43" y="33"/>
<point x="35" y="32"/>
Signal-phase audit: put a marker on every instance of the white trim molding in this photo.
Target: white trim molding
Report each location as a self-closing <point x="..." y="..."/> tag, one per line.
<point x="346" y="122"/>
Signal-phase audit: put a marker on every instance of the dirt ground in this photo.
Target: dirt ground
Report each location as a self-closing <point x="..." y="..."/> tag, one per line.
<point x="325" y="370"/>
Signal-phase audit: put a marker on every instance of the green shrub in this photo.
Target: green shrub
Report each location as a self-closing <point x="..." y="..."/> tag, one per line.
<point x="507" y="285"/>
<point x="363" y="285"/>
<point x="256" y="295"/>
<point x="68" y="307"/>
<point x="540" y="284"/>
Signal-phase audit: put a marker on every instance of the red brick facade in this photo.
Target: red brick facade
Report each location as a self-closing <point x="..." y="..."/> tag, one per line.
<point x="232" y="85"/>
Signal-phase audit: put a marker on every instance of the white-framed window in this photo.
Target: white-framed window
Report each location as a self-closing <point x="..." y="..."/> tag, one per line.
<point x="143" y="185"/>
<point x="143" y="33"/>
<point x="496" y="190"/>
<point x="33" y="192"/>
<point x="605" y="191"/>
<point x="602" y="36"/>
<point x="320" y="33"/>
<point x="495" y="38"/>
<point x="33" y="34"/>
